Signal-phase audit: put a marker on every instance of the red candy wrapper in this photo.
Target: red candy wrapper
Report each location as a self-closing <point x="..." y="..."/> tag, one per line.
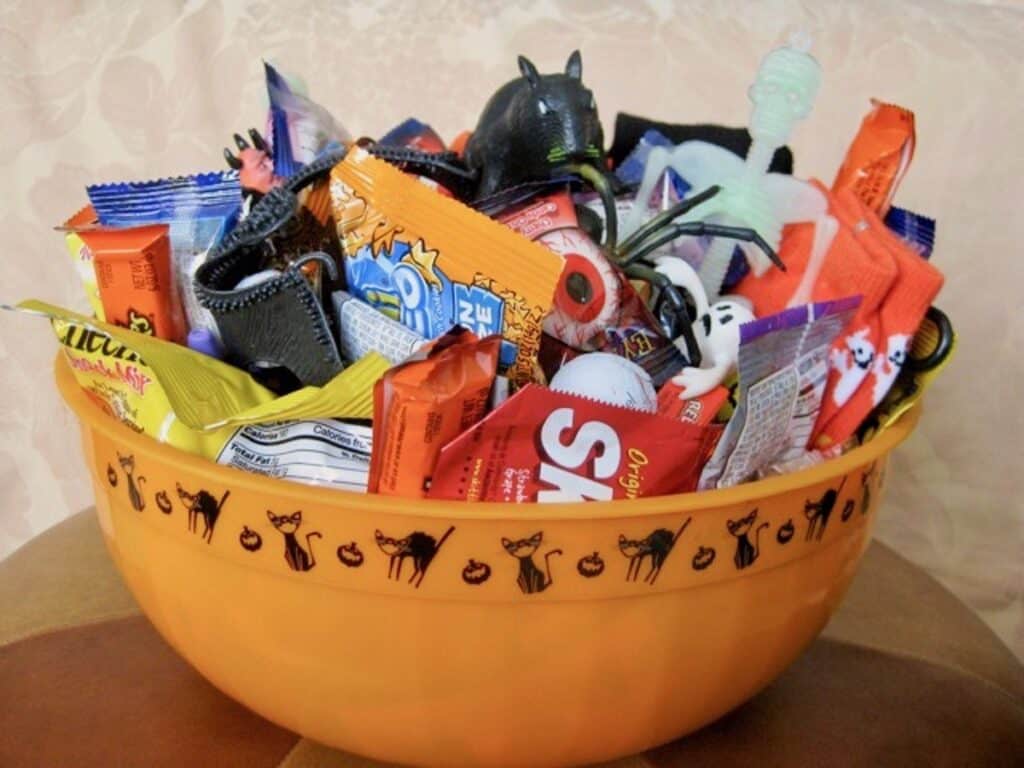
<point x="547" y="446"/>
<point x="696" y="410"/>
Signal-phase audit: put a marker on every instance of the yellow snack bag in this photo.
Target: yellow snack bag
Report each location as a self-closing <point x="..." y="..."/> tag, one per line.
<point x="189" y="400"/>
<point x="434" y="263"/>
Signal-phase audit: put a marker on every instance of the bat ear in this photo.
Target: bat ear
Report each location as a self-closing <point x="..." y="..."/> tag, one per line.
<point x="232" y="161"/>
<point x="574" y="66"/>
<point x="529" y="71"/>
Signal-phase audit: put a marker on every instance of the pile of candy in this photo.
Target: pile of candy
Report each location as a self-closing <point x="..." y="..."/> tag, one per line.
<point x="519" y="316"/>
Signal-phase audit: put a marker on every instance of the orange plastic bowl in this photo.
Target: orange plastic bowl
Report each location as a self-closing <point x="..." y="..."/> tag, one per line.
<point x="509" y="635"/>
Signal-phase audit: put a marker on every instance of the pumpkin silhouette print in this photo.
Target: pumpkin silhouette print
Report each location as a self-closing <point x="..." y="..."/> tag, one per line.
<point x="704" y="557"/>
<point x="350" y="555"/>
<point x="848" y="508"/>
<point x="250" y="539"/>
<point x="786" y="532"/>
<point x="163" y="503"/>
<point x="590" y="566"/>
<point x="476" y="573"/>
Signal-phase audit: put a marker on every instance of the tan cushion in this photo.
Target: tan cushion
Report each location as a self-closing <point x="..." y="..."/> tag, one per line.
<point x="904" y="675"/>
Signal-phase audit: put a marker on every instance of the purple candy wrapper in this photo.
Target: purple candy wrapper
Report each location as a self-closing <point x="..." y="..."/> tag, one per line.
<point x="783" y="368"/>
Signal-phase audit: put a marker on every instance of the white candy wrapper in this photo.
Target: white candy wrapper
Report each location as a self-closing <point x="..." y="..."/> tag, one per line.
<point x="362" y="329"/>
<point x="322" y="452"/>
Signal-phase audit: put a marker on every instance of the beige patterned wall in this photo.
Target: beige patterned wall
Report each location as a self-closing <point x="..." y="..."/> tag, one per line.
<point x="99" y="91"/>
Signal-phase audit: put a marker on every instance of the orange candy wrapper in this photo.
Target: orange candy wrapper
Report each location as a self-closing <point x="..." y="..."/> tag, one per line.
<point x="879" y="156"/>
<point x="136" y="284"/>
<point x="424" y="403"/>
<point x="431" y="262"/>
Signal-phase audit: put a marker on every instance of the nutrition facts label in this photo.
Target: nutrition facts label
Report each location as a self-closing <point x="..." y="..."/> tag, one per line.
<point x="325" y="452"/>
<point x="770" y="405"/>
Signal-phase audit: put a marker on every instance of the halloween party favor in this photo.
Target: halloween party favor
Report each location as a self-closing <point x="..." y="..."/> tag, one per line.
<point x="425" y="402"/>
<point x="438" y="262"/>
<point x="547" y="446"/>
<point x="753" y="200"/>
<point x="595" y="307"/>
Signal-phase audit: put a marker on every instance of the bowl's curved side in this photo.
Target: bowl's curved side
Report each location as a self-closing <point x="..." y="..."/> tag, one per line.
<point x="460" y="682"/>
<point x="602" y="638"/>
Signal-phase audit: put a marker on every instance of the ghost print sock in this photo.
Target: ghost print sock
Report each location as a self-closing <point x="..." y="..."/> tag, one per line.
<point x="915" y="286"/>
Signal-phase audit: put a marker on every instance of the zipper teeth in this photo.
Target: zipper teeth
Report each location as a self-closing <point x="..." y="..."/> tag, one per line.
<point x="272" y="212"/>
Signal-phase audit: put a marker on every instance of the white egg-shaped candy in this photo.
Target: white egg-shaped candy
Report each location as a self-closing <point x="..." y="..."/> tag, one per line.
<point x="609" y="379"/>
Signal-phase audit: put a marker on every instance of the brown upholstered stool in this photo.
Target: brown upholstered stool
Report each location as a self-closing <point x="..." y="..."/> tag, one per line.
<point x="904" y="675"/>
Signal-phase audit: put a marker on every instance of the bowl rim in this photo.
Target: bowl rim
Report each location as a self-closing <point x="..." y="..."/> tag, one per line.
<point x="94" y="418"/>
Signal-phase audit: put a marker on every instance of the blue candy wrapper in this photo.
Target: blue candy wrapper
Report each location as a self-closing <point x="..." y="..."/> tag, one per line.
<point x="915" y="229"/>
<point x="199" y="210"/>
<point x="298" y="128"/>
<point x="415" y="134"/>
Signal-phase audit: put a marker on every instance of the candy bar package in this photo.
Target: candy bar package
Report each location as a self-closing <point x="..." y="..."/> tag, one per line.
<point x="425" y="402"/>
<point x="198" y="209"/>
<point x="783" y="367"/>
<point x="548" y="446"/>
<point x="134" y="278"/>
<point x="879" y="156"/>
<point x="433" y="263"/>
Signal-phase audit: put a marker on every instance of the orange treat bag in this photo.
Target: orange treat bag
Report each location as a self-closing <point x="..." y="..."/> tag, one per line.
<point x="879" y="156"/>
<point x="851" y="266"/>
<point x="136" y="286"/>
<point x="915" y="286"/>
<point x="424" y="403"/>
<point x="430" y="262"/>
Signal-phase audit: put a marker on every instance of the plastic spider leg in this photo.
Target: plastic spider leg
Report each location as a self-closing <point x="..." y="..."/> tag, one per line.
<point x="671" y="308"/>
<point x="662" y="220"/>
<point x="746" y="234"/>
